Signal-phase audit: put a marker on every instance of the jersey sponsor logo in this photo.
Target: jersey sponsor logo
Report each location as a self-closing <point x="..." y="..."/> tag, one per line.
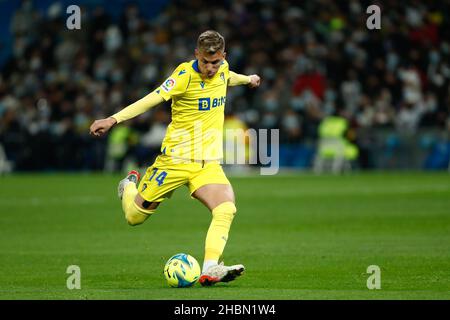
<point x="205" y="104"/>
<point x="168" y="84"/>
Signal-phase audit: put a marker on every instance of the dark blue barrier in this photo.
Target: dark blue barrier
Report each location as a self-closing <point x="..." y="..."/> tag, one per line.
<point x="439" y="156"/>
<point x="296" y="155"/>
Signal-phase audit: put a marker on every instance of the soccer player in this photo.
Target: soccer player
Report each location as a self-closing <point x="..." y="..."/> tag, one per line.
<point x="191" y="150"/>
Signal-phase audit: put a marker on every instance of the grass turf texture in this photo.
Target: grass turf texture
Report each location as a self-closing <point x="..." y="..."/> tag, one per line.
<point x="300" y="236"/>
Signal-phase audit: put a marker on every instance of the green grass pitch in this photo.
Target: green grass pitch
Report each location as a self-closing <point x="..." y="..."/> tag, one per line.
<point x="300" y="236"/>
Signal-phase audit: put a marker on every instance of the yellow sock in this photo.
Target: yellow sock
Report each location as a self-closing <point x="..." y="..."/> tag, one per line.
<point x="133" y="213"/>
<point x="217" y="235"/>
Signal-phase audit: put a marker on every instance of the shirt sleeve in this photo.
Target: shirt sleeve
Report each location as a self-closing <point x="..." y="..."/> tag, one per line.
<point x="175" y="85"/>
<point x="237" y="79"/>
<point x="138" y="107"/>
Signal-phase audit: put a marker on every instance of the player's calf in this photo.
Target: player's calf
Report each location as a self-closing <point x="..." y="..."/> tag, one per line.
<point x="141" y="210"/>
<point x="135" y="209"/>
<point x="217" y="236"/>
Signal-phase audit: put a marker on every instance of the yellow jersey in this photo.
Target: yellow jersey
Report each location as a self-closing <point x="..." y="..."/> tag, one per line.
<point x="196" y="129"/>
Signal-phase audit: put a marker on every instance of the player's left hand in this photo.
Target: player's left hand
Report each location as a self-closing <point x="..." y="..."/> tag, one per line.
<point x="255" y="80"/>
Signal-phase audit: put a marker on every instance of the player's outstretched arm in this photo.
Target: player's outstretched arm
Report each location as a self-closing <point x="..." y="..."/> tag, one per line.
<point x="236" y="79"/>
<point x="102" y="126"/>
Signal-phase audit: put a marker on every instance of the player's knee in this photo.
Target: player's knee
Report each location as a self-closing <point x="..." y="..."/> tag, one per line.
<point x="135" y="219"/>
<point x="226" y="210"/>
<point x="137" y="215"/>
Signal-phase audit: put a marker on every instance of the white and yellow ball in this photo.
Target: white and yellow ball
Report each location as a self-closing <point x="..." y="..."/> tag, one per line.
<point x="182" y="270"/>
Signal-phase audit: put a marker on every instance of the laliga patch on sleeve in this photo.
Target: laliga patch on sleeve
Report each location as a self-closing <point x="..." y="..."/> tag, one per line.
<point x="168" y="84"/>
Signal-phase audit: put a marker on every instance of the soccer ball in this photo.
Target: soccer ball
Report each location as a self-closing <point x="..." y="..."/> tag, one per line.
<point x="181" y="270"/>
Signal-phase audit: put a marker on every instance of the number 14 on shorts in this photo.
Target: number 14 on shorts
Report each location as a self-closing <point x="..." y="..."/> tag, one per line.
<point x="159" y="178"/>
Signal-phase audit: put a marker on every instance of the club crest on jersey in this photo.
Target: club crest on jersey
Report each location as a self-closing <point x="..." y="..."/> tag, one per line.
<point x="222" y="76"/>
<point x="168" y="84"/>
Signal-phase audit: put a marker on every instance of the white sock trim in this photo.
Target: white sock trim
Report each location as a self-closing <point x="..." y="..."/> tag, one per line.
<point x="207" y="264"/>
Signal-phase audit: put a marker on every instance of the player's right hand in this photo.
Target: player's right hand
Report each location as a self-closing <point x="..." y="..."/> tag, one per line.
<point x="255" y="80"/>
<point x="100" y="127"/>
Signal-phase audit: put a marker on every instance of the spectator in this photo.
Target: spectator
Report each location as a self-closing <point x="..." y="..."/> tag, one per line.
<point x="314" y="58"/>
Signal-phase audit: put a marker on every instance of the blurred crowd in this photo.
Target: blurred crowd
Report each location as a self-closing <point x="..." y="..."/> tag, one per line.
<point x="315" y="58"/>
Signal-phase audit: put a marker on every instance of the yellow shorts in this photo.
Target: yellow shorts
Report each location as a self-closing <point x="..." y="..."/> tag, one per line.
<point x="168" y="173"/>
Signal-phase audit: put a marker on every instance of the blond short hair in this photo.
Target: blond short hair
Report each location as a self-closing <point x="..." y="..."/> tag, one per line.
<point x="211" y="42"/>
